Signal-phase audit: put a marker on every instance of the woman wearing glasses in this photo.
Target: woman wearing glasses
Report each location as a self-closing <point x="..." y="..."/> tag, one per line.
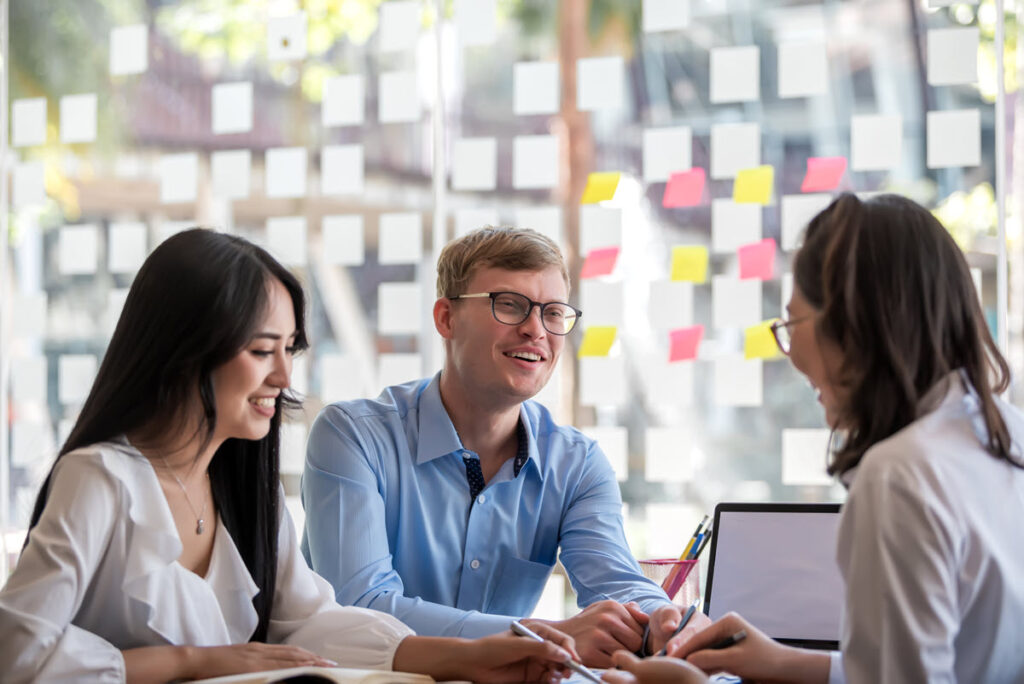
<point x="885" y="323"/>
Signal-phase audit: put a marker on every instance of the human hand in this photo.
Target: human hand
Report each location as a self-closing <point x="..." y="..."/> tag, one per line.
<point x="510" y="658"/>
<point x="218" y="661"/>
<point x="664" y="621"/>
<point x="657" y="670"/>
<point x="601" y="629"/>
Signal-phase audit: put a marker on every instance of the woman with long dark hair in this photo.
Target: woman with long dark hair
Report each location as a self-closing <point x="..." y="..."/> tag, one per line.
<point x="159" y="548"/>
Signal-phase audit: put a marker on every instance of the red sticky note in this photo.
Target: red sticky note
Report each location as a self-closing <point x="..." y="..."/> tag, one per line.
<point x="599" y="262"/>
<point x="823" y="173"/>
<point x="684" y="189"/>
<point x="758" y="260"/>
<point x="683" y="343"/>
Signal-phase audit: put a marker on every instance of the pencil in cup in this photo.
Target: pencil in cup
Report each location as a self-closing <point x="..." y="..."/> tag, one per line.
<point x="672" y="573"/>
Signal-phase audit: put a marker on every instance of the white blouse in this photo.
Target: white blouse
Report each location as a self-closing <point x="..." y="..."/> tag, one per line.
<point x="100" y="575"/>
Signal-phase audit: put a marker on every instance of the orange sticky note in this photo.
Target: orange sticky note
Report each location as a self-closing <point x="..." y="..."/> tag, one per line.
<point x="600" y="187"/>
<point x="684" y="189"/>
<point x="597" y="340"/>
<point x="823" y="173"/>
<point x="754" y="186"/>
<point x="683" y="343"/>
<point x="690" y="264"/>
<point x="757" y="260"/>
<point x="599" y="262"/>
<point x="759" y="343"/>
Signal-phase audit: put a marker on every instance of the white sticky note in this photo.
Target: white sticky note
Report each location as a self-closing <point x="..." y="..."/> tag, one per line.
<point x="738" y="382"/>
<point x="343" y="241"/>
<point x="954" y="138"/>
<point x="400" y="238"/>
<point x="665" y="15"/>
<point x="29" y="315"/>
<point x="613" y="442"/>
<point x="344" y="101"/>
<point x="600" y="83"/>
<point x="28" y="185"/>
<point x="78" y="118"/>
<point x="666" y="150"/>
<point x="599" y="227"/>
<point x="602" y="380"/>
<point x="28" y="379"/>
<point x="468" y="220"/>
<point x="805" y="457"/>
<point x="398" y="97"/>
<point x="399" y="25"/>
<point x="667" y="454"/>
<point x="31" y="443"/>
<point x="232" y="173"/>
<point x="126" y="246"/>
<point x="953" y="55"/>
<point x="474" y="164"/>
<point x="231" y="107"/>
<point x="876" y="142"/>
<point x="803" y="69"/>
<point x="602" y="303"/>
<point x="476" y="21"/>
<point x="670" y="304"/>
<point x="787" y="290"/>
<point x="395" y="369"/>
<point x="286" y="37"/>
<point x="78" y="249"/>
<point x="545" y="220"/>
<point x="75" y="373"/>
<point x="735" y="74"/>
<point x="28" y="122"/>
<point x="179" y="177"/>
<point x="797" y="212"/>
<point x="292" y="448"/>
<point x="535" y="88"/>
<point x="129" y="50"/>
<point x="534" y="162"/>
<point x="734" y="224"/>
<point x="286" y="239"/>
<point x="341" y="170"/>
<point x="735" y="303"/>
<point x="734" y="147"/>
<point x="667" y="527"/>
<point x="399" y="307"/>
<point x="286" y="172"/>
<point x="669" y="383"/>
<point x="340" y="378"/>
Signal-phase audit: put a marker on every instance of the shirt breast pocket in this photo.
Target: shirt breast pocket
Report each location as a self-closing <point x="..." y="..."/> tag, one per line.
<point x="519" y="586"/>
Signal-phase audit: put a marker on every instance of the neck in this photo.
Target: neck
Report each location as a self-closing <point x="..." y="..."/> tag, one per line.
<point x="487" y="429"/>
<point x="186" y="457"/>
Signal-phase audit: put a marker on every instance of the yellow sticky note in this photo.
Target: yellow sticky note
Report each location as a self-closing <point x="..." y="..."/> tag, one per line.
<point x="759" y="343"/>
<point x="600" y="187"/>
<point x="690" y="264"/>
<point x="754" y="186"/>
<point x="597" y="340"/>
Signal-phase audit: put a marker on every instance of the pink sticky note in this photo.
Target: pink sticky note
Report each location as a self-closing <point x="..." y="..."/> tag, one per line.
<point x="683" y="343"/>
<point x="758" y="260"/>
<point x="599" y="262"/>
<point x="684" y="189"/>
<point x="823" y="173"/>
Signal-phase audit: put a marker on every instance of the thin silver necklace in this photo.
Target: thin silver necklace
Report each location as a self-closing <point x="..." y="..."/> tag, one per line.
<point x="188" y="499"/>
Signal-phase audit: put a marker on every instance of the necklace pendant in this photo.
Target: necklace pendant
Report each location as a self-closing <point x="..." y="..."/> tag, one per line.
<point x="199" y="526"/>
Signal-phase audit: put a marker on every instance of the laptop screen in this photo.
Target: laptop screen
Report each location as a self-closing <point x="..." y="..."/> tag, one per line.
<point x="775" y="565"/>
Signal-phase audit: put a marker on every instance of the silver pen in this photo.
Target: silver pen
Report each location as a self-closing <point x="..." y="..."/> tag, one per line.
<point x="522" y="630"/>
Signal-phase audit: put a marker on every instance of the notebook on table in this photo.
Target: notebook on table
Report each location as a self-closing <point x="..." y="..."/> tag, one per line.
<point x="326" y="675"/>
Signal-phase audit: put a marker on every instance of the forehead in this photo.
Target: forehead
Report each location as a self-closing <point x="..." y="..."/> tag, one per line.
<point x="280" y="313"/>
<point x="544" y="284"/>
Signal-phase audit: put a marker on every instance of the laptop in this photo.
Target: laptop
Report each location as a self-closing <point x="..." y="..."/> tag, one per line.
<point x="774" y="564"/>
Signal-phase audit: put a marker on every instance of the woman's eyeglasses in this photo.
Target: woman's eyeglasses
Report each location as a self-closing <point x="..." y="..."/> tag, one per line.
<point x="782" y="333"/>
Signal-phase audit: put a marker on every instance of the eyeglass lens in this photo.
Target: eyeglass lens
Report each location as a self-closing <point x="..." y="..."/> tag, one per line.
<point x="512" y="309"/>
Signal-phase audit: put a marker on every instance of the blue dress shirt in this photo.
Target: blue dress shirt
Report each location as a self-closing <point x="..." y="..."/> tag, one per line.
<point x="390" y="526"/>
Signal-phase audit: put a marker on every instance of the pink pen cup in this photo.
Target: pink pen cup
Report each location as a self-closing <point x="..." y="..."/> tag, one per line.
<point x="679" y="578"/>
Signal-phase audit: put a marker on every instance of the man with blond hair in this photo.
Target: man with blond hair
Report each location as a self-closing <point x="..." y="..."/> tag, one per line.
<point x="445" y="501"/>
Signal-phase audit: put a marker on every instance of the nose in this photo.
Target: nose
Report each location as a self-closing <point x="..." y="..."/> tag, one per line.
<point x="281" y="373"/>
<point x="533" y="326"/>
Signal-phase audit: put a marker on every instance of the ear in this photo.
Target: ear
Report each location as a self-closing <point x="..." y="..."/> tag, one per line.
<point x="443" y="312"/>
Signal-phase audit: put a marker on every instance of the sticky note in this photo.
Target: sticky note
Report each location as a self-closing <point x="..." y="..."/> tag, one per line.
<point x="954" y="138"/>
<point x="126" y="246"/>
<point x="597" y="340"/>
<point x="803" y="69"/>
<point x="683" y="343"/>
<point x="341" y="170"/>
<point x="474" y="164"/>
<point x="179" y="175"/>
<point x="612" y="439"/>
<point x="876" y="142"/>
<point x="28" y="379"/>
<point x="797" y="212"/>
<point x="823" y="174"/>
<point x="603" y="303"/>
<point x="286" y="239"/>
<point x="231" y="172"/>
<point x="599" y="262"/>
<point x="735" y="303"/>
<point x="28" y="185"/>
<point x="545" y="220"/>
<point x="953" y="55"/>
<point x="75" y="373"/>
<point x="666" y="151"/>
<point x="344" y="101"/>
<point x="805" y="456"/>
<point x="399" y="25"/>
<point x="29" y="315"/>
<point x="343" y="241"/>
<point x="735" y="74"/>
<point x="754" y="186"/>
<point x="78" y="118"/>
<point x="30" y="443"/>
<point x="599" y="227"/>
<point x="670" y="304"/>
<point x="759" y="343"/>
<point x="665" y="15"/>
<point x="398" y="308"/>
<point x="286" y="37"/>
<point x="286" y="172"/>
<point x="690" y="263"/>
<point x="28" y="122"/>
<point x="734" y="225"/>
<point x="398" y="97"/>
<point x="394" y="369"/>
<point x="667" y="454"/>
<point x="600" y="187"/>
<point x="602" y="380"/>
<point x="535" y="88"/>
<point x="129" y="49"/>
<point x="231" y="107"/>
<point x="668" y="383"/>
<point x="684" y="189"/>
<point x="78" y="249"/>
<point x="476" y="21"/>
<point x="734" y="147"/>
<point x="341" y="377"/>
<point x="738" y="382"/>
<point x="400" y="238"/>
<point x="534" y="162"/>
<point x="600" y="83"/>
<point x="757" y="260"/>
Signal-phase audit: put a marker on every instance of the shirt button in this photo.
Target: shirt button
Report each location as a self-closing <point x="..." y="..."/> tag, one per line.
<point x="480" y="499"/>
<point x="474" y="564"/>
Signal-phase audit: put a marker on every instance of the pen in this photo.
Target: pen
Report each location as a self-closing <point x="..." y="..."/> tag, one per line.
<point x="522" y="630"/>
<point x="694" y="538"/>
<point x="729" y="640"/>
<point x="682" y="623"/>
<point x="703" y="543"/>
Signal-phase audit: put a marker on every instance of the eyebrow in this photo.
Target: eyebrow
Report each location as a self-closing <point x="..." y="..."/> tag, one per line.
<point x="271" y="336"/>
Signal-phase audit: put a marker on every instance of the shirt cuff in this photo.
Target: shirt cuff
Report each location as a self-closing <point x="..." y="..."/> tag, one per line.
<point x="478" y="625"/>
<point x="835" y="668"/>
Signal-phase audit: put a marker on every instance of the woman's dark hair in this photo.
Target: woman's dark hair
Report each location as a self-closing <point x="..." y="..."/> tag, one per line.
<point x="195" y="303"/>
<point x="894" y="291"/>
